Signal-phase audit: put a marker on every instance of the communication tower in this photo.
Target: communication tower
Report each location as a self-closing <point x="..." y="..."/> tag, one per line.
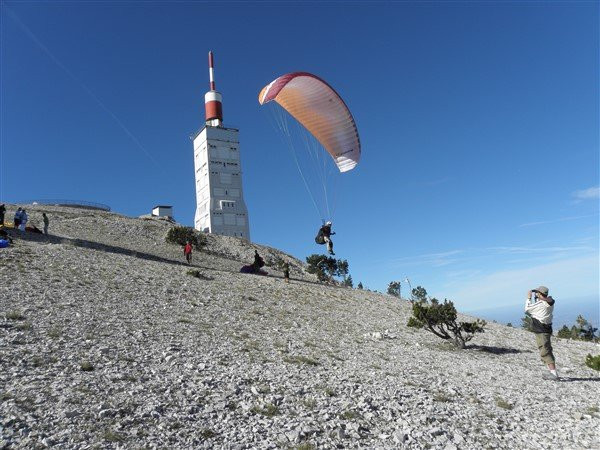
<point x="220" y="206"/>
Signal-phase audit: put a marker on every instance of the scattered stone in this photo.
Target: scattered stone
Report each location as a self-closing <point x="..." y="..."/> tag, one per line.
<point x="71" y="414"/>
<point x="400" y="437"/>
<point x="170" y="374"/>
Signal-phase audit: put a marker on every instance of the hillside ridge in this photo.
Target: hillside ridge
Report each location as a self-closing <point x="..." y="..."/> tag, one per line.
<point x="107" y="341"/>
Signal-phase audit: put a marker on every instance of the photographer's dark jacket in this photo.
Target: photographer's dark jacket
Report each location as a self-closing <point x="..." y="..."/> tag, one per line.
<point x="541" y="314"/>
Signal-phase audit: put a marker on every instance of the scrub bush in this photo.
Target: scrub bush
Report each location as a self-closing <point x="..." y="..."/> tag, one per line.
<point x="326" y="268"/>
<point x="440" y="319"/>
<point x="414" y="323"/>
<point x="180" y="236"/>
<point x="394" y="288"/>
<point x="593" y="362"/>
<point x="583" y="330"/>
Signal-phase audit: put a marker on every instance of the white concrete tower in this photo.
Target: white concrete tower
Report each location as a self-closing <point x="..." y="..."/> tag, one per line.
<point x="220" y="206"/>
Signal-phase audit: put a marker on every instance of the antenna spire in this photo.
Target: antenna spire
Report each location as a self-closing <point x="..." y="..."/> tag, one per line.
<point x="211" y="70"/>
<point x="212" y="99"/>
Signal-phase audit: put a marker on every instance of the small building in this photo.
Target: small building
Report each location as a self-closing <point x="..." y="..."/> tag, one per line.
<point x="162" y="211"/>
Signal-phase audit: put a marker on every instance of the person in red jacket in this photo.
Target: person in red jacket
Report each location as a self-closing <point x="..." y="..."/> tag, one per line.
<point x="187" y="251"/>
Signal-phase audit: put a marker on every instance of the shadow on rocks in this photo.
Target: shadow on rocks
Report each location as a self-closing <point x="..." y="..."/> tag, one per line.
<point x="83" y="243"/>
<point x="570" y="379"/>
<point x="497" y="350"/>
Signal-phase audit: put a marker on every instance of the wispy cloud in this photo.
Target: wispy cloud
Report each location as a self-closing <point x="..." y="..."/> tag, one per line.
<point x="530" y="250"/>
<point x="587" y="194"/>
<point x="526" y="254"/>
<point x="430" y="259"/>
<point x="567" y="278"/>
<point x="562" y="219"/>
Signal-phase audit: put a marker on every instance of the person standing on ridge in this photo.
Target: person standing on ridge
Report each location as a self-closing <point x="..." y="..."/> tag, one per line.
<point x="17" y="219"/>
<point x="540" y="307"/>
<point x="23" y="221"/>
<point x="286" y="272"/>
<point x="187" y="251"/>
<point x="46" y="223"/>
<point x="2" y="211"/>
<point x="324" y="237"/>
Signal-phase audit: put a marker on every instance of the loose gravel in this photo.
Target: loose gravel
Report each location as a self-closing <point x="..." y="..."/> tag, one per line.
<point x="108" y="340"/>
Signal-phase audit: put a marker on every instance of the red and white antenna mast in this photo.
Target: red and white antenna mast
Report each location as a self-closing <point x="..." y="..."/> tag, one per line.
<point x="212" y="99"/>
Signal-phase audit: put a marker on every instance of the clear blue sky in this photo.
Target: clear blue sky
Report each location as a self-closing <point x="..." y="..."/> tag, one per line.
<point x="478" y="121"/>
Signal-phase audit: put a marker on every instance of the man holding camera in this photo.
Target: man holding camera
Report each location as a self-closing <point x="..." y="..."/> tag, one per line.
<point x="540" y="306"/>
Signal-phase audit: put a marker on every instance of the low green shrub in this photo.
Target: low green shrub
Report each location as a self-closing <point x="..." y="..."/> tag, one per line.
<point x="593" y="362"/>
<point x="14" y="315"/>
<point x="583" y="330"/>
<point x="504" y="404"/>
<point x="277" y="262"/>
<point x="268" y="410"/>
<point x="441" y="320"/>
<point x="86" y="366"/>
<point x="181" y="235"/>
<point x="207" y="433"/>
<point x="414" y="323"/>
<point x="301" y="360"/>
<point x="197" y="274"/>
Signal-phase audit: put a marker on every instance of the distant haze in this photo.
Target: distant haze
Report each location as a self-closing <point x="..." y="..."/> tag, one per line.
<point x="588" y="307"/>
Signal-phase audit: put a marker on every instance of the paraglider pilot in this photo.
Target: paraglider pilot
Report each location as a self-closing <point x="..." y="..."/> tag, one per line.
<point x="324" y="237"/>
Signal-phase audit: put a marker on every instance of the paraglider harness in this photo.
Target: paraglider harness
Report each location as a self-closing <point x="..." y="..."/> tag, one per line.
<point x="320" y="238"/>
<point x="324" y="231"/>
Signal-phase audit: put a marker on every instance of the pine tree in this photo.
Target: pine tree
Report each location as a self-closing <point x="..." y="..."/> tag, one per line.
<point x="394" y="288"/>
<point x="327" y="268"/>
<point x="564" y="332"/>
<point x="526" y="323"/>
<point x="348" y="281"/>
<point x="441" y="320"/>
<point x="419" y="294"/>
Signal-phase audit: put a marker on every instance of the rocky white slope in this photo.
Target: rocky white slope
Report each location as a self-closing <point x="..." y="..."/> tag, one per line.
<point x="106" y="341"/>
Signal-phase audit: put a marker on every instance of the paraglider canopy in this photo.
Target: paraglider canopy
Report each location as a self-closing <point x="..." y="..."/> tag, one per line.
<point x="319" y="108"/>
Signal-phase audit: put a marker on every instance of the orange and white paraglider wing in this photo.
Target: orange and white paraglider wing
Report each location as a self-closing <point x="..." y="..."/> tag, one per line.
<point x="319" y="108"/>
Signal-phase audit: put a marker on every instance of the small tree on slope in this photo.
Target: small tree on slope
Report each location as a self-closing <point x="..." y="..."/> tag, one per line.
<point x="440" y="319"/>
<point x="394" y="288"/>
<point x="419" y="294"/>
<point x="181" y="235"/>
<point x="527" y="323"/>
<point x="582" y="330"/>
<point x="348" y="281"/>
<point x="326" y="268"/>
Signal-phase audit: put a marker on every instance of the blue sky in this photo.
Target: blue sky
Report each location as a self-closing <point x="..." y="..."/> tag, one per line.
<point x="478" y="122"/>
